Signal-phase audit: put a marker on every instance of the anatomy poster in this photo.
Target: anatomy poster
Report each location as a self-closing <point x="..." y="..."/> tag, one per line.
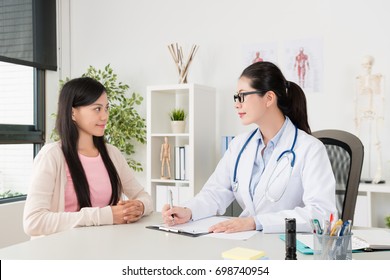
<point x="303" y="63"/>
<point x="259" y="52"/>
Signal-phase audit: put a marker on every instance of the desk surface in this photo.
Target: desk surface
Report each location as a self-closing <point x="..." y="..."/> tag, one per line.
<point x="134" y="241"/>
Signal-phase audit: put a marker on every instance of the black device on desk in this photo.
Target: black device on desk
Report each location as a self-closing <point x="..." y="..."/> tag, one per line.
<point x="291" y="239"/>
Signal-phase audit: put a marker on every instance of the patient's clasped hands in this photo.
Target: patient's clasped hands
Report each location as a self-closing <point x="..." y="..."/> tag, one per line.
<point x="127" y="211"/>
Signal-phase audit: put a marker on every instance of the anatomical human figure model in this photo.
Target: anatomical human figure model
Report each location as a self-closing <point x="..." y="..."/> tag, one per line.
<point x="369" y="118"/>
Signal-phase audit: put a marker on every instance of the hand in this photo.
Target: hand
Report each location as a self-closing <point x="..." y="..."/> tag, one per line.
<point x="181" y="215"/>
<point x="128" y="211"/>
<point x="234" y="225"/>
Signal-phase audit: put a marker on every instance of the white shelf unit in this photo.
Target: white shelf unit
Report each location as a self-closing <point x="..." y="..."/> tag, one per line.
<point x="200" y="104"/>
<point x="372" y="205"/>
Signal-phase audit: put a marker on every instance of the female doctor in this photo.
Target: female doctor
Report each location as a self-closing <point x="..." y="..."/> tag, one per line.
<point x="274" y="172"/>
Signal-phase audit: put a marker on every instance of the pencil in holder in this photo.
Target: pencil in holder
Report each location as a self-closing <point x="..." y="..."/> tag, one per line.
<point x="327" y="247"/>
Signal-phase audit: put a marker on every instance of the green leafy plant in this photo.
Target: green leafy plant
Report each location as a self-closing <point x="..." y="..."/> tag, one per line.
<point x="177" y="114"/>
<point x="387" y="221"/>
<point x="9" y="193"/>
<point x="125" y="125"/>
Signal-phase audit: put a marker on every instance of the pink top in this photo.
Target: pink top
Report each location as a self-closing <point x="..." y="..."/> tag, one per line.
<point x="98" y="180"/>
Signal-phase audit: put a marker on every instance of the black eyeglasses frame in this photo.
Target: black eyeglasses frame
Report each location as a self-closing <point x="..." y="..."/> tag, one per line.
<point x="241" y="95"/>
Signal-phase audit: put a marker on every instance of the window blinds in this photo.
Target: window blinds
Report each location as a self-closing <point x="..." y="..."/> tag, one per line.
<point x="28" y="33"/>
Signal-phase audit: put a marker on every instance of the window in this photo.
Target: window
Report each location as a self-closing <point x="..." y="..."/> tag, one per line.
<point x="15" y="169"/>
<point x="21" y="127"/>
<point x="17" y="88"/>
<point x="27" y="49"/>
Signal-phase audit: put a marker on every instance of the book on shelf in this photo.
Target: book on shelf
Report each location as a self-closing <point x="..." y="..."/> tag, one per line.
<point x="177" y="163"/>
<point x="225" y="141"/>
<point x="187" y="162"/>
<point x="181" y="163"/>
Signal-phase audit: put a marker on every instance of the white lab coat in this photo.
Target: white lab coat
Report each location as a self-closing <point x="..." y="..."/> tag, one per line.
<point x="310" y="192"/>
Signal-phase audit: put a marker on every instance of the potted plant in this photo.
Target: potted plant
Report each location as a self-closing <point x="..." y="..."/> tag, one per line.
<point x="387" y="221"/>
<point x="125" y="126"/>
<point x="178" y="117"/>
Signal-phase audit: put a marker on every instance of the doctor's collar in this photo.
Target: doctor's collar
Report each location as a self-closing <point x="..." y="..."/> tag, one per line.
<point x="275" y="140"/>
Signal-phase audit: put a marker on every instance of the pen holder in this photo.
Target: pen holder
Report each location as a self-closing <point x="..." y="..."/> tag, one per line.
<point x="328" y="247"/>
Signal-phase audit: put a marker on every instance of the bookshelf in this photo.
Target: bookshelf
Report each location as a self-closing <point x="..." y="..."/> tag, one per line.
<point x="372" y="205"/>
<point x="199" y="137"/>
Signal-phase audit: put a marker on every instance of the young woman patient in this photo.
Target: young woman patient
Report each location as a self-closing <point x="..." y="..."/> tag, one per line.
<point x="79" y="180"/>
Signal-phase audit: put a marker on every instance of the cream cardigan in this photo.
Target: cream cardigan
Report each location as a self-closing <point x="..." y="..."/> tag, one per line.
<point x="44" y="210"/>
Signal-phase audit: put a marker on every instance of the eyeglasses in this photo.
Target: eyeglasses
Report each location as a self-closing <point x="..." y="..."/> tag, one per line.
<point x="240" y="95"/>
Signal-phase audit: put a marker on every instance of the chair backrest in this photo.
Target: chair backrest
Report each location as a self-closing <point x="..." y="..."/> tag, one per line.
<point x="346" y="153"/>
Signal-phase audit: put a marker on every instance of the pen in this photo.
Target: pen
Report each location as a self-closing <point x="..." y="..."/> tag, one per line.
<point x="331" y="219"/>
<point x="317" y="226"/>
<point x="328" y="224"/>
<point x="171" y="204"/>
<point x="344" y="229"/>
<point x="336" y="228"/>
<point x="349" y="227"/>
<point x="326" y="227"/>
<point x="313" y="227"/>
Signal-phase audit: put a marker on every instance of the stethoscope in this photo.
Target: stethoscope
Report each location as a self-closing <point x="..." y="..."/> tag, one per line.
<point x="274" y="175"/>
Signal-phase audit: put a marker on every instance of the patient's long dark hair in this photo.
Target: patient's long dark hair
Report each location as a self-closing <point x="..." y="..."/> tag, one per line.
<point x="75" y="93"/>
<point x="291" y="98"/>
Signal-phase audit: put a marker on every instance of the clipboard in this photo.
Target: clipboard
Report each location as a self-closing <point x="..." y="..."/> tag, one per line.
<point x="301" y="247"/>
<point x="192" y="228"/>
<point x="176" y="231"/>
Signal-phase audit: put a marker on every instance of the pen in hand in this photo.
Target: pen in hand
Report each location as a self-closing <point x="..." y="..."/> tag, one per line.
<point x="171" y="204"/>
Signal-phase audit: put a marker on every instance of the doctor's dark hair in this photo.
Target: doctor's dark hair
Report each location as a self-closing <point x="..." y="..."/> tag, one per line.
<point x="265" y="76"/>
<point x="75" y="93"/>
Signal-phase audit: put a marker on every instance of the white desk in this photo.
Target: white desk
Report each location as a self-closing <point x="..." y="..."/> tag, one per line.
<point x="134" y="241"/>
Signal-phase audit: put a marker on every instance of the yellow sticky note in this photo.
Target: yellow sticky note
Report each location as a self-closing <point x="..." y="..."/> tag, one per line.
<point x="240" y="253"/>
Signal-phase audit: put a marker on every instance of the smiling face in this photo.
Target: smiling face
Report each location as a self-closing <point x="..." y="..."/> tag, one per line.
<point x="91" y="120"/>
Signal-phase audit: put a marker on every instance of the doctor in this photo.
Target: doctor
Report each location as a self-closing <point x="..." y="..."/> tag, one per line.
<point x="274" y="172"/>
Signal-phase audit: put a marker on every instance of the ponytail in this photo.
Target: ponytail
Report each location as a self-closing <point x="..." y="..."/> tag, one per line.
<point x="294" y="106"/>
<point x="291" y="98"/>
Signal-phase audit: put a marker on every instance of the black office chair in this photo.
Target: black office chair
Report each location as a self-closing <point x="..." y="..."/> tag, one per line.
<point x="346" y="154"/>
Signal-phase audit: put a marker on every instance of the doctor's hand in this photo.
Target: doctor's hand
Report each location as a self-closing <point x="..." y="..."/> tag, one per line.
<point x="234" y="225"/>
<point x="176" y="215"/>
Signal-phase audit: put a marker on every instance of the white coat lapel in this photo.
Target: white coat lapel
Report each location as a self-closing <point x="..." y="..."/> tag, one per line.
<point x="244" y="173"/>
<point x="285" y="143"/>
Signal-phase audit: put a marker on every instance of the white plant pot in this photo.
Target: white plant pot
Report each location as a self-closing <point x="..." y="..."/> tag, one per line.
<point x="178" y="126"/>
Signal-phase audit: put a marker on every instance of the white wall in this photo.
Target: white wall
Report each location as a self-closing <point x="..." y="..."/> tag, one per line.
<point x="133" y="35"/>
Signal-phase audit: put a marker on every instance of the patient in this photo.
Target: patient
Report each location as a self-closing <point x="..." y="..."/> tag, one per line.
<point x="79" y="180"/>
